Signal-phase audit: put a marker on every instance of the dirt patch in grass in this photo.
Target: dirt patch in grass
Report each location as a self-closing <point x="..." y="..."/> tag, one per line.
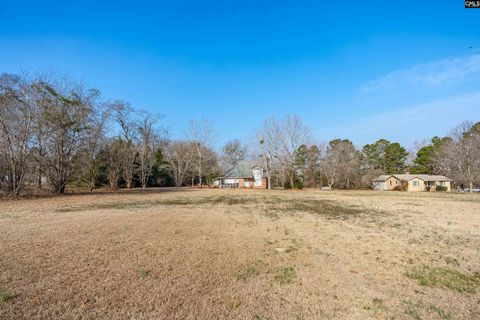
<point x="444" y="277"/>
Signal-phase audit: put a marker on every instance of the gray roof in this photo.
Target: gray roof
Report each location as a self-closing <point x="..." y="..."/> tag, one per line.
<point x="382" y="177"/>
<point x="408" y="177"/>
<point x="243" y="169"/>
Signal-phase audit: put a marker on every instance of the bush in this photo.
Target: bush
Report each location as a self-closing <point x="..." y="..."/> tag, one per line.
<point x="287" y="185"/>
<point x="441" y="188"/>
<point x="398" y="188"/>
<point x="298" y="184"/>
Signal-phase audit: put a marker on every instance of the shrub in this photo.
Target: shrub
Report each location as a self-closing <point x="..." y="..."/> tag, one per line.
<point x="441" y="188"/>
<point x="298" y="184"/>
<point x="287" y="185"/>
<point x="399" y="188"/>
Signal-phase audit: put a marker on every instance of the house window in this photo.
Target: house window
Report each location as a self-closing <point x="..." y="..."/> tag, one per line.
<point x="230" y="183"/>
<point x="390" y="182"/>
<point x="415" y="183"/>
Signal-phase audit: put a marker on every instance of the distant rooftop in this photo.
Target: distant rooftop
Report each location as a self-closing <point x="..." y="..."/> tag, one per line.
<point x="408" y="177"/>
<point x="243" y="169"/>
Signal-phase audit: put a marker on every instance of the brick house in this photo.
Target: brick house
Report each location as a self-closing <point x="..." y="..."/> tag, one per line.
<point x="246" y="174"/>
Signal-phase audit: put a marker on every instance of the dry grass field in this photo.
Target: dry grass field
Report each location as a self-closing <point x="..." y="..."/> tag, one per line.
<point x="240" y="254"/>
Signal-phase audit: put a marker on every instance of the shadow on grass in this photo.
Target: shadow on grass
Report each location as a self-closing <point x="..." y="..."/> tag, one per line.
<point x="45" y="193"/>
<point x="272" y="207"/>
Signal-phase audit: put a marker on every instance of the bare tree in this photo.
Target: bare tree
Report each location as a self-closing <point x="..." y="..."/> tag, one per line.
<point x="200" y="133"/>
<point x="147" y="146"/>
<point x="113" y="150"/>
<point x="95" y="141"/>
<point x="124" y="116"/>
<point x="39" y="153"/>
<point x="266" y="156"/>
<point x="459" y="157"/>
<point x="3" y="171"/>
<point x="65" y="111"/>
<point x="341" y="164"/>
<point x="233" y="152"/>
<point x="211" y="168"/>
<point x="330" y="166"/>
<point x="179" y="156"/>
<point x="17" y="114"/>
<point x="280" y="139"/>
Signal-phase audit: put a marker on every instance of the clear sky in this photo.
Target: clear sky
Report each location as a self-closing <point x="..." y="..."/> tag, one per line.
<point x="403" y="70"/>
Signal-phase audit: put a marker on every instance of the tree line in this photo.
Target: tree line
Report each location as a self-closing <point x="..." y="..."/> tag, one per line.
<point x="55" y="133"/>
<point x="293" y="161"/>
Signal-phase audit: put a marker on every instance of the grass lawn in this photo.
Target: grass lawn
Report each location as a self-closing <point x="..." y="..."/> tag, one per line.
<point x="241" y="254"/>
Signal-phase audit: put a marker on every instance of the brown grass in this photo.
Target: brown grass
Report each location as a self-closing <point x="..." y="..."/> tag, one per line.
<point x="235" y="254"/>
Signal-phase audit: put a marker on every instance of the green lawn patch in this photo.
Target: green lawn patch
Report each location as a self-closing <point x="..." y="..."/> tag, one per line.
<point x="285" y="275"/>
<point x="444" y="277"/>
<point x="5" y="296"/>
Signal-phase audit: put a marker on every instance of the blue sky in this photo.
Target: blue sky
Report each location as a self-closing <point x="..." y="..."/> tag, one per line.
<point x="362" y="70"/>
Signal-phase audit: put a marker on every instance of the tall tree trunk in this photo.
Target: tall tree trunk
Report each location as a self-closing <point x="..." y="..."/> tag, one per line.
<point x="39" y="169"/>
<point x="199" y="167"/>
<point x="92" y="184"/>
<point x="39" y="177"/>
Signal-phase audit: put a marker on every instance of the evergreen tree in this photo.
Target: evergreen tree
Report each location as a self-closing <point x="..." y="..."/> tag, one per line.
<point x="424" y="162"/>
<point x="395" y="158"/>
<point x="385" y="156"/>
<point x="307" y="165"/>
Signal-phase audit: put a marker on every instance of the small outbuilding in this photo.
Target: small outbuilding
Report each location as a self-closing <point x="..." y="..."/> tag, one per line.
<point x="412" y="182"/>
<point x="245" y="174"/>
